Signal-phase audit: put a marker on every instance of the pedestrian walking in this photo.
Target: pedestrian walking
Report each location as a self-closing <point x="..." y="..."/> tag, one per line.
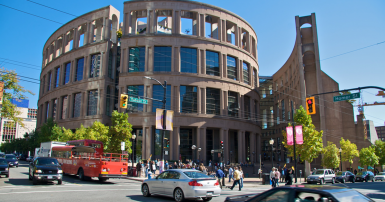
<point x="355" y="171"/>
<point x="166" y="165"/>
<point x="289" y="177"/>
<point x="138" y="169"/>
<point x="272" y="177"/>
<point x="241" y="176"/>
<point x="153" y="167"/>
<point x="231" y="173"/>
<point x="277" y="177"/>
<point x="219" y="174"/>
<point x="237" y="178"/>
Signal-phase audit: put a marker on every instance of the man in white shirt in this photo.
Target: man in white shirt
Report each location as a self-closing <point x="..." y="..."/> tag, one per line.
<point x="231" y="173"/>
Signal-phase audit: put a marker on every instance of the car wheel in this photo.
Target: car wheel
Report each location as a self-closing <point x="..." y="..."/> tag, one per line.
<point x="333" y="181"/>
<point x="321" y="182"/>
<point x="34" y="180"/>
<point x="81" y="174"/>
<point x="207" y="198"/>
<point x="59" y="181"/>
<point x="343" y="181"/>
<point x="145" y="190"/>
<point x="102" y="179"/>
<point x="178" y="195"/>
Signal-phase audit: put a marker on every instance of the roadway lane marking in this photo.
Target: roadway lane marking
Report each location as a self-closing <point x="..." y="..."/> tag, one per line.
<point x="90" y="190"/>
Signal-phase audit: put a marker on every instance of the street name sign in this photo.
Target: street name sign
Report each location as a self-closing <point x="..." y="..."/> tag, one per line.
<point x="138" y="100"/>
<point x="346" y="97"/>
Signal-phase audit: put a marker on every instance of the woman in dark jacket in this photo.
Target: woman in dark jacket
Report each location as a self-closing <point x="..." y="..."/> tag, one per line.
<point x="289" y="177"/>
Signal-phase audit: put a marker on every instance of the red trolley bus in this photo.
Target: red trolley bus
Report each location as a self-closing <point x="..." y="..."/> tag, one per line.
<point x="98" y="145"/>
<point x="83" y="161"/>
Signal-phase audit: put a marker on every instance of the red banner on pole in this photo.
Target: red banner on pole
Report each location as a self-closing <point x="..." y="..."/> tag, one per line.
<point x="289" y="132"/>
<point x="298" y="135"/>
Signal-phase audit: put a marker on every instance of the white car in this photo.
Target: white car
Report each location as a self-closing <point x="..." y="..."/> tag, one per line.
<point x="182" y="184"/>
<point x="380" y="176"/>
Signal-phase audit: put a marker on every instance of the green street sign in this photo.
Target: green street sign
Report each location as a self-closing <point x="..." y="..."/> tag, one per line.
<point x="138" y="100"/>
<point x="346" y="97"/>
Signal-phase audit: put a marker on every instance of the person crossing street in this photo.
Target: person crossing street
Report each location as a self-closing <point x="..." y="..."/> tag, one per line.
<point x="237" y="178"/>
<point x="220" y="175"/>
<point x="231" y="173"/>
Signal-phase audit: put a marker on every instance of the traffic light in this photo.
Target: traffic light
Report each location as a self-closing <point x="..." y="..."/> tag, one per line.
<point x="221" y="145"/>
<point x="123" y="101"/>
<point x="168" y="143"/>
<point x="310" y="105"/>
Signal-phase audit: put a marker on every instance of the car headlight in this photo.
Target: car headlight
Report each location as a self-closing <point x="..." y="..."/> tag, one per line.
<point x="6" y="168"/>
<point x="60" y="171"/>
<point x="16" y="162"/>
<point x="38" y="171"/>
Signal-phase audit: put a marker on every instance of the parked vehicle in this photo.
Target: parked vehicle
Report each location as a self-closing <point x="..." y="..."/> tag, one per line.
<point x="322" y="176"/>
<point x="296" y="193"/>
<point x="345" y="176"/>
<point x="46" y="148"/>
<point x="4" y="167"/>
<point x="365" y="176"/>
<point x="12" y="160"/>
<point x="29" y="158"/>
<point x="182" y="184"/>
<point x="23" y="157"/>
<point x="380" y="176"/>
<point x="45" y="169"/>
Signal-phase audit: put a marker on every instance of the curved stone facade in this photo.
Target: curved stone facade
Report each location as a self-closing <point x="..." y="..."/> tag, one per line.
<point x="211" y="69"/>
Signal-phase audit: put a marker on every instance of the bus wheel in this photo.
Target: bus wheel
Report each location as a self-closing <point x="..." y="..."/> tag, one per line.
<point x="102" y="179"/>
<point x="59" y="181"/>
<point x="81" y="174"/>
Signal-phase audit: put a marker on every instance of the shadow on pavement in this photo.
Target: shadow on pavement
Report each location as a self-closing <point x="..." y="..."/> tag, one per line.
<point x="153" y="198"/>
<point x="376" y="196"/>
<point x="75" y="179"/>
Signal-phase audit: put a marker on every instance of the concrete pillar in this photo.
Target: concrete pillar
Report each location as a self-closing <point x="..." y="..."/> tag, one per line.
<point x="203" y="100"/>
<point x="104" y="28"/>
<point x="203" y="144"/>
<point x="84" y="104"/>
<point x="202" y="26"/>
<point x="203" y="61"/>
<point x="148" y="93"/>
<point x="87" y="34"/>
<point x="199" y="63"/>
<point x="72" y="71"/>
<point x="126" y="23"/>
<point x="63" y="43"/>
<point x="176" y="97"/>
<point x="240" y="146"/>
<point x="108" y="29"/>
<point x="150" y="60"/>
<point x="69" y="106"/>
<point x="222" y="105"/>
<point x="241" y="71"/>
<point x="220" y="60"/>
<point x="175" y="147"/>
<point x="224" y="64"/>
<point x="219" y="29"/>
<point x="240" y="104"/>
<point x="176" y="61"/>
<point x="59" y="104"/>
<point x="176" y="22"/>
<point x="225" y="102"/>
<point x="91" y="32"/>
<point x="226" y="142"/>
<point x="76" y="38"/>
<point x="224" y="31"/>
<point x="103" y="66"/>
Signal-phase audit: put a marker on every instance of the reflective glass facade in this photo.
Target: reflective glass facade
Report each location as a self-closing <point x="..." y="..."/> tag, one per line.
<point x="95" y="66"/>
<point x="233" y="103"/>
<point x="157" y="93"/>
<point x="188" y="99"/>
<point x="67" y="72"/>
<point x="246" y="78"/>
<point x="79" y="70"/>
<point x="135" y="91"/>
<point x="57" y="77"/>
<point x="92" y="108"/>
<point x="189" y="60"/>
<point x="137" y="59"/>
<point x="232" y="68"/>
<point x="162" y="59"/>
<point x="213" y="100"/>
<point x="77" y="104"/>
<point x="212" y="63"/>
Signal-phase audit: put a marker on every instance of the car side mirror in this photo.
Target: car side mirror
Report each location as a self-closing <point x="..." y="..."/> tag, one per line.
<point x="324" y="199"/>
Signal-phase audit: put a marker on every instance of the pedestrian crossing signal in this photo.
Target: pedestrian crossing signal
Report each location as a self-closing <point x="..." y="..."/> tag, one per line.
<point x="310" y="105"/>
<point x="123" y="101"/>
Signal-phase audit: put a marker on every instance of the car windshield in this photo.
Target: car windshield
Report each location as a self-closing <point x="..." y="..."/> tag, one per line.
<point x="3" y="162"/>
<point x="47" y="162"/>
<point x="350" y="195"/>
<point x="195" y="174"/>
<point x="341" y="173"/>
<point x="318" y="172"/>
<point x="10" y="157"/>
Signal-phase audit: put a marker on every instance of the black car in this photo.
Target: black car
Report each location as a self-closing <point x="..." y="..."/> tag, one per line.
<point x="365" y="176"/>
<point x="45" y="169"/>
<point x="12" y="160"/>
<point x="294" y="193"/>
<point x="4" y="167"/>
<point x="345" y="176"/>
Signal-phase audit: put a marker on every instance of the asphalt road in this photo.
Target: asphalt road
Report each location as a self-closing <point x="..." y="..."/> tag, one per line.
<point x="19" y="188"/>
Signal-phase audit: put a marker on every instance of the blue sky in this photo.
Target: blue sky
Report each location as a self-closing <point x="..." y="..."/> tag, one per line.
<point x="343" y="26"/>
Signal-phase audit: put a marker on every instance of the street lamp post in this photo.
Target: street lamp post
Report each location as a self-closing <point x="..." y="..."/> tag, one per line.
<point x="132" y="155"/>
<point x="272" y="143"/>
<point x="341" y="158"/>
<point x="164" y="118"/>
<point x="254" y="162"/>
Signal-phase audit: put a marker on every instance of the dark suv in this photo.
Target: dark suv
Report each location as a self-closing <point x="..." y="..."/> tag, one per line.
<point x="45" y="169"/>
<point x="4" y="167"/>
<point x="12" y="160"/>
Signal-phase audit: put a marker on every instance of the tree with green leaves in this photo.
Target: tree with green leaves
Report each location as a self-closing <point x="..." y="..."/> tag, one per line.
<point x="368" y="156"/>
<point x="12" y="89"/>
<point x="312" y="145"/>
<point x="331" y="158"/>
<point x="349" y="151"/>
<point x="379" y="148"/>
<point x="120" y="131"/>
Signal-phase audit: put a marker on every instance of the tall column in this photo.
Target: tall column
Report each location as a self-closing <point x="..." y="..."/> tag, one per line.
<point x="76" y="38"/>
<point x="102" y="102"/>
<point x="220" y="59"/>
<point x="241" y="71"/>
<point x="199" y="63"/>
<point x="150" y="61"/>
<point x="103" y="66"/>
<point x="198" y="24"/>
<point x="240" y="146"/>
<point x="87" y="34"/>
<point x="224" y="64"/>
<point x="69" y="106"/>
<point x="203" y="61"/>
<point x="108" y="29"/>
<point x="202" y="26"/>
<point x="176" y="144"/>
<point x="72" y="71"/>
<point x="222" y="102"/>
<point x="203" y="100"/>
<point x="84" y="104"/>
<point x="91" y="32"/>
<point x="240" y="104"/>
<point x="59" y="103"/>
<point x="104" y="28"/>
<point x="176" y="105"/>
<point x="226" y="142"/>
<point x="126" y="23"/>
<point x="224" y="31"/>
<point x="176" y="61"/>
<point x="63" y="43"/>
<point x="259" y="147"/>
<point x="199" y="100"/>
<point x="203" y="145"/>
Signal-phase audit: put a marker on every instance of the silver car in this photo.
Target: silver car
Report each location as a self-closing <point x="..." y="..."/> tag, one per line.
<point x="380" y="176"/>
<point x="182" y="184"/>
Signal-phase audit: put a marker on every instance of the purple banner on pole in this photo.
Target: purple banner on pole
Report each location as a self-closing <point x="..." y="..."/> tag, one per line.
<point x="289" y="132"/>
<point x="299" y="136"/>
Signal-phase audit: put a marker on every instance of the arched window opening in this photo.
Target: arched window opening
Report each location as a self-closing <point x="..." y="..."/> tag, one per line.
<point x="69" y="41"/>
<point x="82" y="30"/>
<point x="211" y="26"/>
<point x="164" y="21"/>
<point x="230" y="32"/>
<point x="188" y="23"/>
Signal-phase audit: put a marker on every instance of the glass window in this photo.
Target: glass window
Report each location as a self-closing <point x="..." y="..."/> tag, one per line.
<point x="212" y="63"/>
<point x="95" y="66"/>
<point x="188" y="99"/>
<point x="247" y="107"/>
<point x="157" y="148"/>
<point x="67" y="72"/>
<point x="186" y="140"/>
<point x="233" y="105"/>
<point x="231" y="68"/>
<point x="246" y="73"/>
<point x="108" y="101"/>
<point x="195" y="174"/>
<point x="162" y="59"/>
<point x="64" y="107"/>
<point x="256" y="80"/>
<point x="213" y="100"/>
<point x="57" y="78"/>
<point x="77" y="104"/>
<point x="47" y="111"/>
<point x="157" y="93"/>
<point x="54" y="110"/>
<point x="49" y="81"/>
<point x="135" y="91"/>
<point x="92" y="102"/>
<point x="79" y="69"/>
<point x="188" y="61"/>
<point x="137" y="59"/>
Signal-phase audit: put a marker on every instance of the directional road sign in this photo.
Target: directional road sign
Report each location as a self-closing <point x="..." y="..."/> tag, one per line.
<point x="138" y="100"/>
<point x="346" y="97"/>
